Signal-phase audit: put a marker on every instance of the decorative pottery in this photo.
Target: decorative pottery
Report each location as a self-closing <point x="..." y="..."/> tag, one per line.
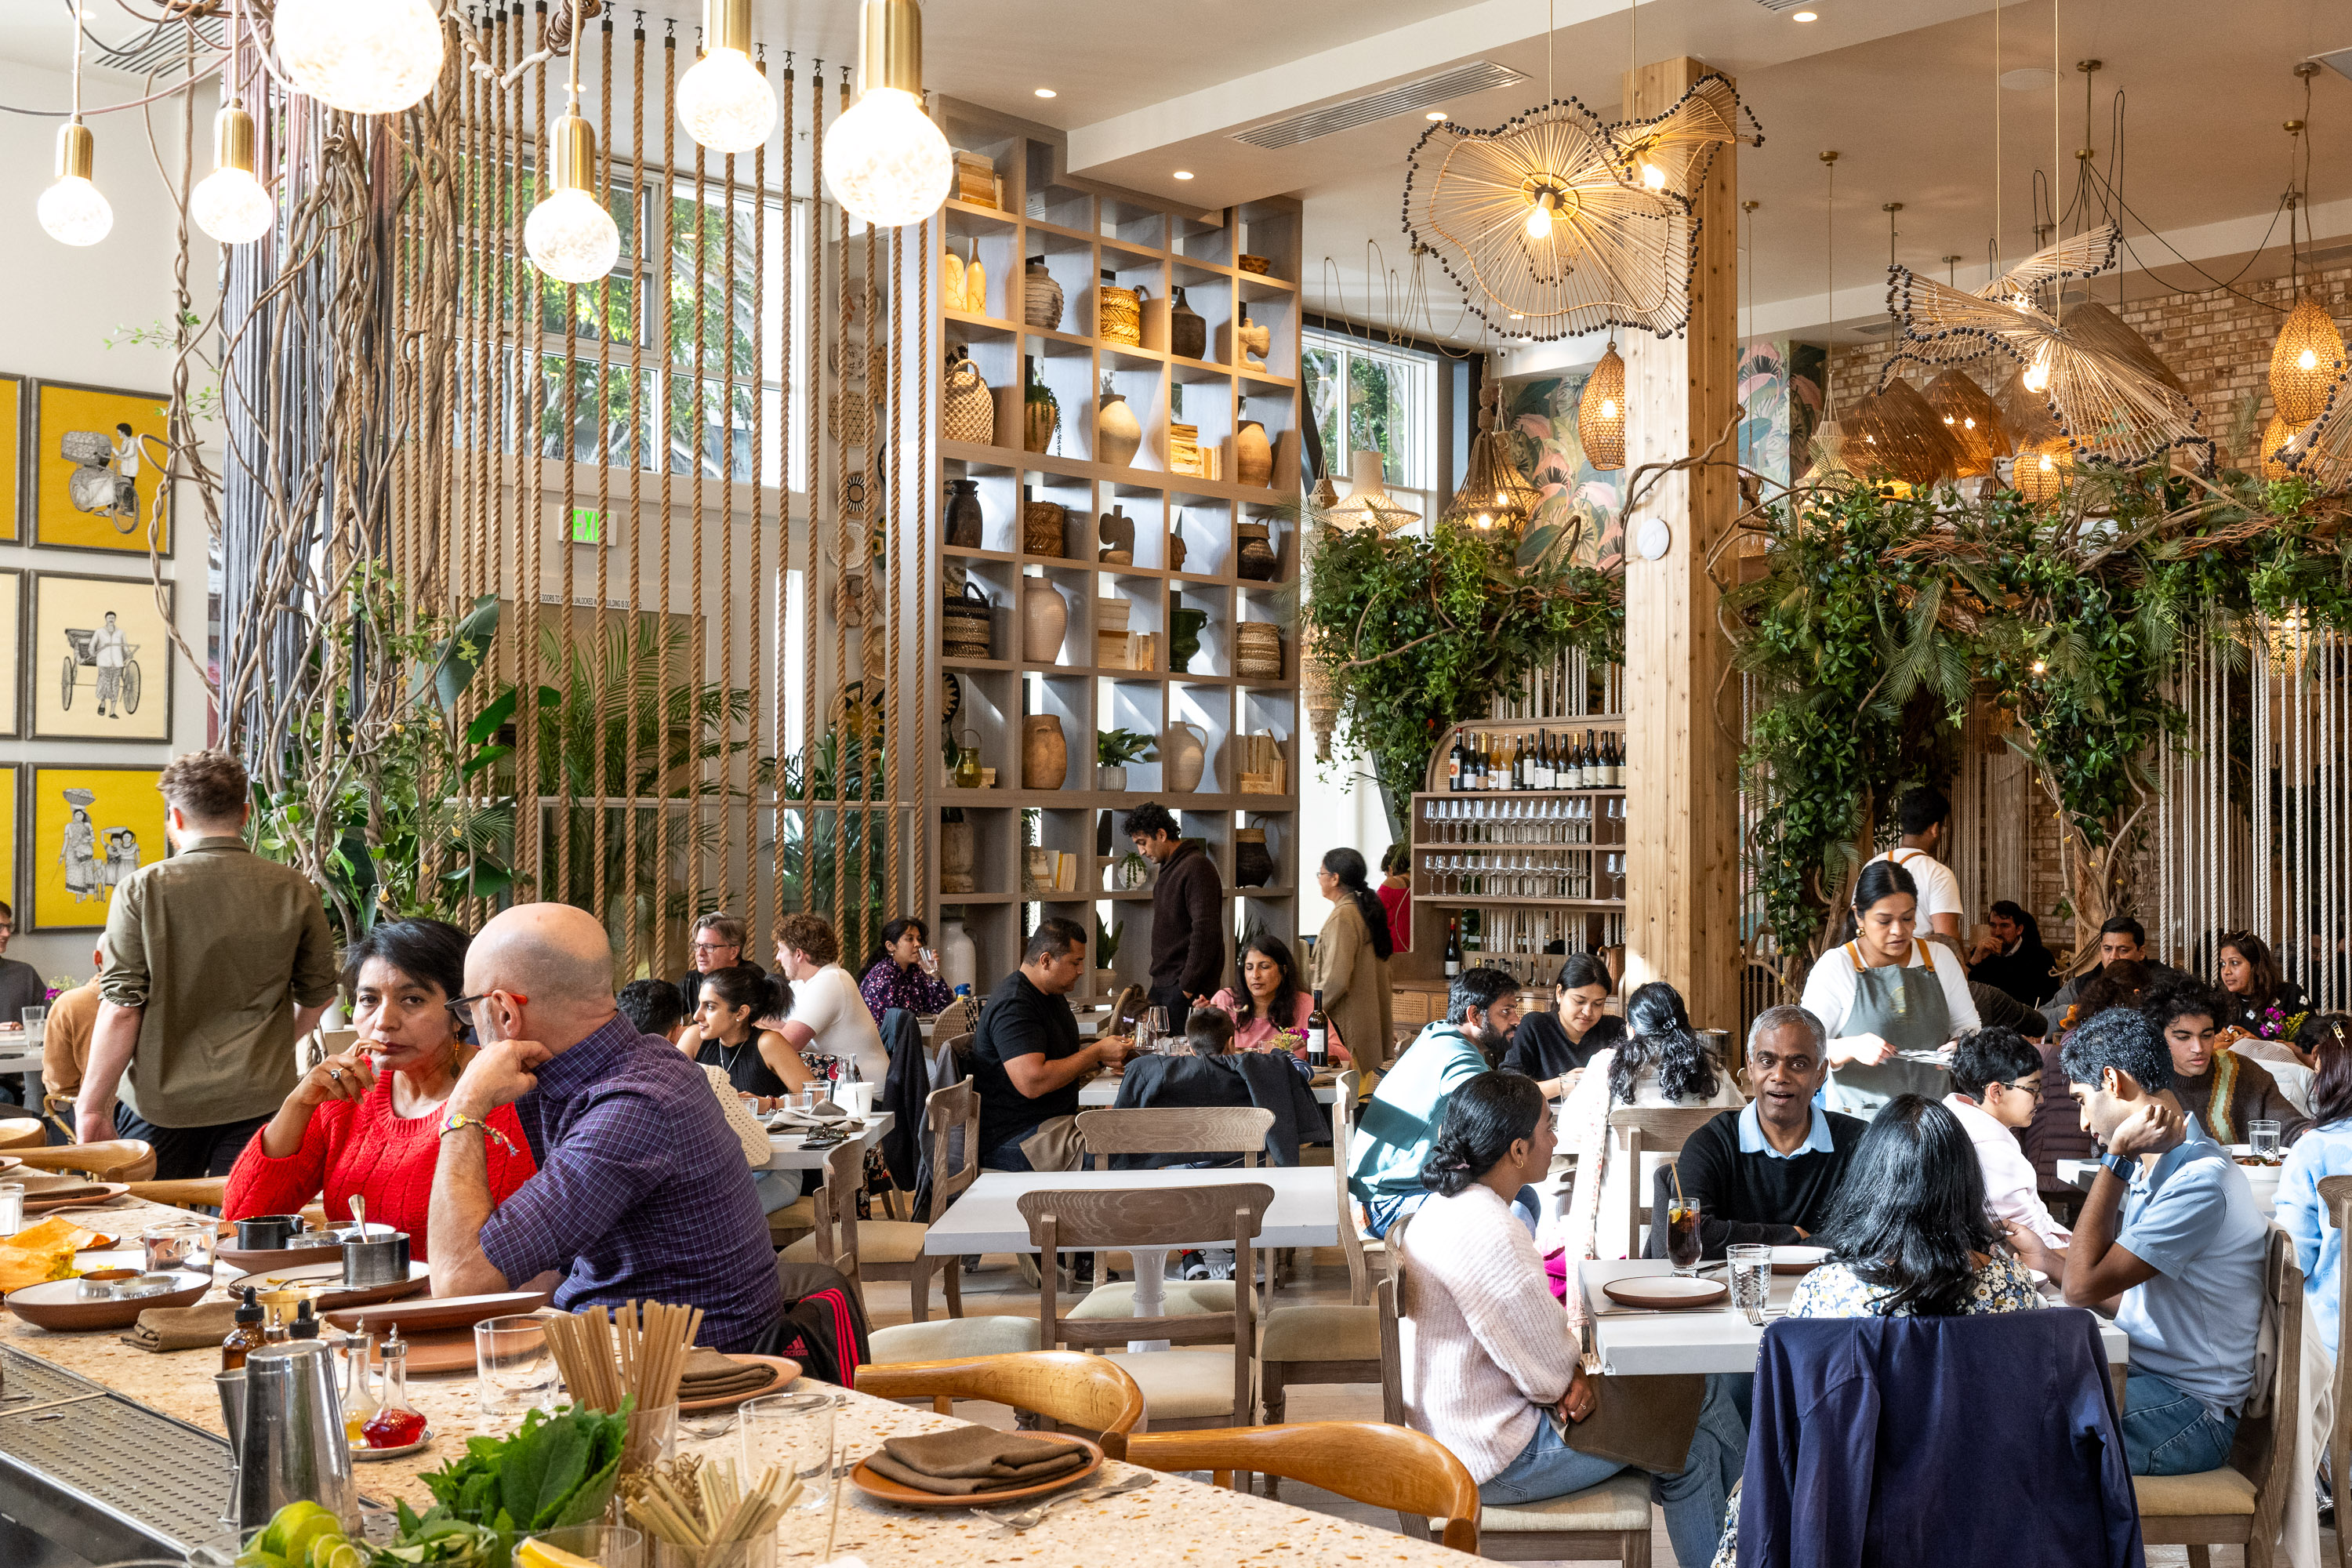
<point x="1045" y="755"/>
<point x="1253" y="861"/>
<point x="1133" y="871"/>
<point x="1183" y="749"/>
<point x="967" y="408"/>
<point x="1254" y="340"/>
<point x="952" y="284"/>
<point x="1257" y="264"/>
<point x="1184" y="628"/>
<point x="1040" y="296"/>
<point x="967" y="772"/>
<point x="1041" y="413"/>
<point x="1253" y="455"/>
<point x="975" y="283"/>
<point x="959" y="961"/>
<point x="956" y="852"/>
<point x="1117" y="531"/>
<point x="1118" y="436"/>
<point x="1187" y="332"/>
<point x="1121" y="310"/>
<point x="964" y="622"/>
<point x="964" y="520"/>
<point x="1108" y="778"/>
<point x="1042" y="525"/>
<point x="1043" y="618"/>
<point x="1176" y="547"/>
<point x="1257" y="560"/>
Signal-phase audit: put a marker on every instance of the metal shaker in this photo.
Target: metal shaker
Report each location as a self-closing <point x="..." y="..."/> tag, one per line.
<point x="293" y="1447"/>
<point x="381" y="1259"/>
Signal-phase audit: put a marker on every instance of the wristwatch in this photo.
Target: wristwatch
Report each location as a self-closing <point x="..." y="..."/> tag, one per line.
<point x="2119" y="1165"/>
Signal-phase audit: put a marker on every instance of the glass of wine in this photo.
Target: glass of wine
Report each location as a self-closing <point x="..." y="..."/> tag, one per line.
<point x="1682" y="1235"/>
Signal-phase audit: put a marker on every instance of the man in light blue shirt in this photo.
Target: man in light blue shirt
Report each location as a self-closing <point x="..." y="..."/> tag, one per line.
<point x="1400" y="1123"/>
<point x="2171" y="1239"/>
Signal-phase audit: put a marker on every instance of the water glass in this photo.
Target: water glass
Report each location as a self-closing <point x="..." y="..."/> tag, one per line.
<point x="177" y="1244"/>
<point x="36" y="1023"/>
<point x="606" y="1545"/>
<point x="2263" y="1138"/>
<point x="12" y="1207"/>
<point x="1751" y="1278"/>
<point x="794" y="1433"/>
<point x="514" y="1370"/>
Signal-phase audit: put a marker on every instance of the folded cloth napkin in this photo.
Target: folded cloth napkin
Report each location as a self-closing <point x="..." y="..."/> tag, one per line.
<point x="183" y="1327"/>
<point x="974" y="1459"/>
<point x="711" y="1376"/>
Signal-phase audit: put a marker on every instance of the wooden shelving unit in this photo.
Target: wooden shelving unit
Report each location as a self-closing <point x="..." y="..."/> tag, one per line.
<point x="1083" y="231"/>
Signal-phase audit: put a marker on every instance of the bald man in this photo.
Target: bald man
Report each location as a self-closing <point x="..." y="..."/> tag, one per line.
<point x="641" y="1192"/>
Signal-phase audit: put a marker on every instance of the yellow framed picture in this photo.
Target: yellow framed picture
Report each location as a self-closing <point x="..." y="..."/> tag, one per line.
<point x="97" y="468"/>
<point x="12" y="778"/>
<point x="12" y="653"/>
<point x="92" y="826"/>
<point x="101" y="654"/>
<point x="11" y="453"/>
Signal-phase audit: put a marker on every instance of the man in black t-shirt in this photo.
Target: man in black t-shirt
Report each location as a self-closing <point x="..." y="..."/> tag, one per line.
<point x="1027" y="1062"/>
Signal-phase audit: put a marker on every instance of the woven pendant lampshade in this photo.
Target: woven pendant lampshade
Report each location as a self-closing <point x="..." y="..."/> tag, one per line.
<point x="2025" y="413"/>
<point x="2277" y="435"/>
<point x="1368" y="503"/>
<point x="1601" y="413"/>
<point x="2044" y="469"/>
<point x="2304" y="362"/>
<point x="1493" y="493"/>
<point x="1971" y="418"/>
<point x="1897" y="435"/>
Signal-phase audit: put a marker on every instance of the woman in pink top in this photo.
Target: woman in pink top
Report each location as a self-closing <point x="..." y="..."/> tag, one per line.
<point x="1396" y="893"/>
<point x="1267" y="999"/>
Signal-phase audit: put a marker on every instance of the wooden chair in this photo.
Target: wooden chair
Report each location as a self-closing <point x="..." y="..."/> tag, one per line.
<point x="1171" y="1130"/>
<point x="1608" y="1523"/>
<point x="116" y="1160"/>
<point x="22" y="1132"/>
<point x="1359" y="1244"/>
<point x="2336" y="1195"/>
<point x="1650" y="1131"/>
<point x="1385" y="1466"/>
<point x="195" y="1193"/>
<point x="893" y="1248"/>
<point x="1323" y="1344"/>
<point x="58" y="1110"/>
<point x="1087" y="1393"/>
<point x="2241" y="1503"/>
<point x="1181" y="1389"/>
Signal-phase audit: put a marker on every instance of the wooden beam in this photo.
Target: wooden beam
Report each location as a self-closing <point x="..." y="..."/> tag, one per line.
<point x="1682" y="867"/>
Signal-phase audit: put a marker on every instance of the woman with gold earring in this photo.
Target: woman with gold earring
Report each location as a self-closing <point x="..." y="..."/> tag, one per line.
<point x="364" y="1123"/>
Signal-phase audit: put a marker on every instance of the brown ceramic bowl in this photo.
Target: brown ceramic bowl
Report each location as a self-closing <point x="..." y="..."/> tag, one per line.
<point x="55" y="1304"/>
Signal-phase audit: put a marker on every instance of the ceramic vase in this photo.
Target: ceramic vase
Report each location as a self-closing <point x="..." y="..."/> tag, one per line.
<point x="1117" y="437"/>
<point x="1110" y="778"/>
<point x="975" y="284"/>
<point x="957" y="852"/>
<point x="1255" y="559"/>
<point x="1043" y="618"/>
<point x="1041" y="413"/>
<point x="1187" y="332"/>
<point x="1184" y="629"/>
<point x="1045" y="756"/>
<point x="952" y="284"/>
<point x="1253" y="455"/>
<point x="1183" y="749"/>
<point x="959" y="961"/>
<point x="964" y="520"/>
<point x="1041" y="297"/>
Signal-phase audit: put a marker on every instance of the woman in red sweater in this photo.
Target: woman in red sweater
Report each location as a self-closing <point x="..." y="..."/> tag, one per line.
<point x="367" y="1122"/>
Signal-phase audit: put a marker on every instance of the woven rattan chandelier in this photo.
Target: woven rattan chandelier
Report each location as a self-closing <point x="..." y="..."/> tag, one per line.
<point x="1897" y="435"/>
<point x="1493" y="493"/>
<point x="1971" y="418"/>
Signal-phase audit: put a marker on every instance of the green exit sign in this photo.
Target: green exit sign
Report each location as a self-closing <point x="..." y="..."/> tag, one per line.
<point x="587" y="525"/>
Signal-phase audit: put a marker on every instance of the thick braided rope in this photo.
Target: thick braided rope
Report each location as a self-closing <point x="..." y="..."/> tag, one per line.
<point x="918" y="755"/>
<point x="754" y="905"/>
<point x="784" y="502"/>
<point x="637" y="455"/>
<point x="813" y="582"/>
<point x="893" y="531"/>
<point x="696" y="655"/>
<point x="664" y="824"/>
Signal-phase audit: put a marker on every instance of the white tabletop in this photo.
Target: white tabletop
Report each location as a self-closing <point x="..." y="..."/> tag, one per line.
<point x="1304" y="1211"/>
<point x="791" y="1154"/>
<point x="2262" y="1179"/>
<point x="1643" y="1344"/>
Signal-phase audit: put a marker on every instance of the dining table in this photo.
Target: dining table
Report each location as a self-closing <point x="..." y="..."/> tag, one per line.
<point x="2262" y="1179"/>
<point x="792" y="1151"/>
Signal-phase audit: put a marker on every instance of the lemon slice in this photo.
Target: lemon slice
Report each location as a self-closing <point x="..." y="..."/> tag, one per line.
<point x="539" y="1555"/>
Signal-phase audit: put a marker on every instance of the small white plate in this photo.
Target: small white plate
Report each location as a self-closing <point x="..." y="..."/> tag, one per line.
<point x="1798" y="1259"/>
<point x="1666" y="1292"/>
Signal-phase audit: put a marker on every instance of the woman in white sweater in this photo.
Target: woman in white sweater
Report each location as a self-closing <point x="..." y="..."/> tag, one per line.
<point x="1491" y="1368"/>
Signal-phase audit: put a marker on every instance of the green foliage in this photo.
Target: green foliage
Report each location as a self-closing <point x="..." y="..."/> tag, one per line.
<point x="1116" y="748"/>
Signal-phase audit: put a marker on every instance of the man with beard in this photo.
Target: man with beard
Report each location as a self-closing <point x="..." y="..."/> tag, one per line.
<point x="1398" y="1124"/>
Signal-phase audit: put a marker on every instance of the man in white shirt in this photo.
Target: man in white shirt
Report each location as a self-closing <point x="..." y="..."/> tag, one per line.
<point x="1921" y="815"/>
<point x="1996" y="1084"/>
<point x="829" y="1019"/>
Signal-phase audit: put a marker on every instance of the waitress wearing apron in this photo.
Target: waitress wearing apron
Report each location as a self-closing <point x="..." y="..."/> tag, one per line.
<point x="1886" y="993"/>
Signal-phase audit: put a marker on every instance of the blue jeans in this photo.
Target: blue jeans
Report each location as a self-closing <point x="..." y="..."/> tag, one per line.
<point x="1007" y="1156"/>
<point x="2167" y="1432"/>
<point x="1384" y="1212"/>
<point x="1693" y="1501"/>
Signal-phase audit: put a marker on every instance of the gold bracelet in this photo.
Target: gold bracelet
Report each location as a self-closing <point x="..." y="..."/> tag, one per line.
<point x="457" y="1119"/>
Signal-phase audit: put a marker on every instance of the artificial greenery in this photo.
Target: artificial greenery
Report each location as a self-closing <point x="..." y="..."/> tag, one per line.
<point x="1116" y="748"/>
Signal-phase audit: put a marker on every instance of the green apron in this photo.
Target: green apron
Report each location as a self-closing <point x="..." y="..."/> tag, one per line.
<point x="1903" y="1006"/>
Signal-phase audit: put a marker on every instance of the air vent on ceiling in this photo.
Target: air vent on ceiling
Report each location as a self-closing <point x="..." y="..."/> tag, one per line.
<point x="162" y="46"/>
<point x="1427" y="93"/>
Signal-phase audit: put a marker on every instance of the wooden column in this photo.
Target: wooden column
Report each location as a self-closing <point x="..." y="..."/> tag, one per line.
<point x="1682" y="870"/>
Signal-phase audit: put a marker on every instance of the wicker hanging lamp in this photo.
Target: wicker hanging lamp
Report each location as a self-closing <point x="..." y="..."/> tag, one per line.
<point x="1493" y="493"/>
<point x="2276" y="454"/>
<point x="2044" y="469"/>
<point x="1897" y="435"/>
<point x="1601" y="413"/>
<point x="2304" y="362"/>
<point x="1972" y="419"/>
<point x="1368" y="503"/>
<point x="1829" y="467"/>
<point x="1319" y="693"/>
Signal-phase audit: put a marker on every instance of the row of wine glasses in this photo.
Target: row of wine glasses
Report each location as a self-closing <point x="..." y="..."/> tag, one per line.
<point x="1526" y="875"/>
<point x="1469" y="821"/>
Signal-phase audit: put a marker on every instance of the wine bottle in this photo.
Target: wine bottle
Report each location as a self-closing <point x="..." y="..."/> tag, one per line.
<point x="1319" y="1034"/>
<point x="1454" y="765"/>
<point x="1593" y="777"/>
<point x="1452" y="946"/>
<point x="1617" y="760"/>
<point x="1543" y="759"/>
<point x="1575" y="769"/>
<point x="1519" y="762"/>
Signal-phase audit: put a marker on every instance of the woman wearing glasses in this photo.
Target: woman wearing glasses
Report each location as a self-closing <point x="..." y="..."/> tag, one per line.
<point x="363" y="1123"/>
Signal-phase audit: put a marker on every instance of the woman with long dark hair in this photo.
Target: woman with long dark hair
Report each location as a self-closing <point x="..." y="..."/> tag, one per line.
<point x="1554" y="1047"/>
<point x="2259" y="1000"/>
<point x="1886" y="993"/>
<point x="1352" y="959"/>
<point x="1265" y="999"/>
<point x="726" y="1032"/>
<point x="1490" y="1357"/>
<point x="894" y="975"/>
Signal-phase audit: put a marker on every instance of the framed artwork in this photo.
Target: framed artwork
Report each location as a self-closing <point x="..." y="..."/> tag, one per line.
<point x="100" y="659"/>
<point x="12" y="656"/>
<point x="92" y="826"/>
<point x="12" y="779"/>
<point x="12" y="457"/>
<point x="98" y="461"/>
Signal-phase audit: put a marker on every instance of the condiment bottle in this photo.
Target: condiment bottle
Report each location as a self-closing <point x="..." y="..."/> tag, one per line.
<point x="246" y="1336"/>
<point x="394" y="1424"/>
<point x="306" y="1325"/>
<point x="359" y="1390"/>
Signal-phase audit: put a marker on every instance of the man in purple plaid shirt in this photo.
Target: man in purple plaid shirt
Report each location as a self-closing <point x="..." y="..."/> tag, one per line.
<point x="641" y="1192"/>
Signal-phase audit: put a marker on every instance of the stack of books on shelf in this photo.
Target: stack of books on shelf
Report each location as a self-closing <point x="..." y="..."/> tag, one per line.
<point x="1184" y="450"/>
<point x="1049" y="871"/>
<point x="976" y="180"/>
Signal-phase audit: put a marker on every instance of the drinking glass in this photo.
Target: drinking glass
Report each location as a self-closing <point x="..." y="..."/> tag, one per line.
<point x="2263" y="1136"/>
<point x="810" y="1094"/>
<point x="1751" y="1278"/>
<point x="929" y="958"/>
<point x="177" y="1244"/>
<point x="36" y="1023"/>
<point x="606" y="1545"/>
<point x="514" y="1371"/>
<point x="794" y="1433"/>
<point x="1682" y="1235"/>
<point x="12" y="1207"/>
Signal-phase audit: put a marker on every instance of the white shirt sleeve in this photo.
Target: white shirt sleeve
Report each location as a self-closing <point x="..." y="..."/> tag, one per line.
<point x="828" y="1006"/>
<point x="1939" y="890"/>
<point x="1829" y="990"/>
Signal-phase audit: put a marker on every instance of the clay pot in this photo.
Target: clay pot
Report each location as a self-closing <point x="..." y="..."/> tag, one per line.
<point x="1113" y="779"/>
<point x="957" y="852"/>
<point x="1183" y="751"/>
<point x="1253" y="861"/>
<point x="1041" y="297"/>
<point x="1187" y="332"/>
<point x="1253" y="455"/>
<point x="1045" y="756"/>
<point x="964" y="520"/>
<point x="1043" y="618"/>
<point x="1118" y="436"/>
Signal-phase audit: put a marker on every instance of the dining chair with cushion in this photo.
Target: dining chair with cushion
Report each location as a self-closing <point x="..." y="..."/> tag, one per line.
<point x="1607" y="1523"/>
<point x="1649" y="1129"/>
<point x="1086" y="1393"/>
<point x="886" y="1249"/>
<point x="1181" y="1388"/>
<point x="1149" y="1129"/>
<point x="2241" y="1503"/>
<point x="115" y="1160"/>
<point x="2335" y="1201"/>
<point x="1322" y="1344"/>
<point x="1387" y="1467"/>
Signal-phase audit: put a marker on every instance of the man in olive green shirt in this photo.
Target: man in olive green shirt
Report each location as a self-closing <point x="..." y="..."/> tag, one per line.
<point x="217" y="961"/>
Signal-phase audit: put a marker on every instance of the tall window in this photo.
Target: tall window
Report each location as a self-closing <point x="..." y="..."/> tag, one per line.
<point x="1367" y="398"/>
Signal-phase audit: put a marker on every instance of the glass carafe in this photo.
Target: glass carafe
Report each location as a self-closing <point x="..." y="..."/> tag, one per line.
<point x="359" y="1401"/>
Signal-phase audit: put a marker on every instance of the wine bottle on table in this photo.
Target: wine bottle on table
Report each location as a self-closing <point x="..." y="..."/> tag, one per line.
<point x="1319" y="1035"/>
<point x="1452" y="946"/>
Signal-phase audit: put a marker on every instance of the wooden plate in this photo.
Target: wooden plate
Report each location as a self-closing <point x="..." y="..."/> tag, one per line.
<point x="785" y="1372"/>
<point x="882" y="1488"/>
<point x="1666" y="1292"/>
<point x="52" y="1304"/>
<point x="279" y="1260"/>
<point x="442" y="1350"/>
<point x="1799" y="1260"/>
<point x="81" y="1195"/>
<point x="326" y="1281"/>
<point x="429" y="1313"/>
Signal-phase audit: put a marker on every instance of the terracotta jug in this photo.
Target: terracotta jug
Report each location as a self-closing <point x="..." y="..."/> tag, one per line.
<point x="1045" y="756"/>
<point x="1118" y="436"/>
<point x="956" y="851"/>
<point x="1253" y="455"/>
<point x="1188" y="332"/>
<point x="1043" y="618"/>
<point x="965" y="520"/>
<point x="1183" y="749"/>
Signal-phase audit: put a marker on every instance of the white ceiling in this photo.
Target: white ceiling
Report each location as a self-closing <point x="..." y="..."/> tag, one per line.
<point x="1903" y="88"/>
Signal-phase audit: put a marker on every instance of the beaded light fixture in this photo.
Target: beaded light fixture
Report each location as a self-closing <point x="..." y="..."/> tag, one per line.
<point x="1601" y="413"/>
<point x="1971" y="418"/>
<point x="1493" y="493"/>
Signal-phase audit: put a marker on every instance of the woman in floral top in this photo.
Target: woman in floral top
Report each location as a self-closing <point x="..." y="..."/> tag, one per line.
<point x="897" y="977"/>
<point x="1909" y="1236"/>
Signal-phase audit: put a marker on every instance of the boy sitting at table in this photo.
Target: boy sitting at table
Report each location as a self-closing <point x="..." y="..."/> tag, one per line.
<point x="1996" y="1088"/>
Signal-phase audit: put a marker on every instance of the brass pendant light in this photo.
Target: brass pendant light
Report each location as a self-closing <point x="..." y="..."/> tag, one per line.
<point x="1601" y="413"/>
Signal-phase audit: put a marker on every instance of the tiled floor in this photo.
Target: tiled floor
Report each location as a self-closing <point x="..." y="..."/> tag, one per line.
<point x="998" y="1288"/>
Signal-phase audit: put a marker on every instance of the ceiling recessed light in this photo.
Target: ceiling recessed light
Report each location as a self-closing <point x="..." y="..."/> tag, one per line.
<point x="1437" y="114"/>
<point x="1047" y="92"/>
<point x="1806" y="16"/>
<point x="1183" y="174"/>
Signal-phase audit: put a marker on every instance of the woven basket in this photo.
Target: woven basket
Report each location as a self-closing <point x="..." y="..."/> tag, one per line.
<point x="1042" y="526"/>
<point x="967" y="407"/>
<point x="1257" y="650"/>
<point x="1122" y="316"/>
<point x="964" y="622"/>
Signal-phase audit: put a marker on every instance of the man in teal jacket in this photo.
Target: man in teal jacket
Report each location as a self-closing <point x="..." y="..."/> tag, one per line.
<point x="1393" y="1136"/>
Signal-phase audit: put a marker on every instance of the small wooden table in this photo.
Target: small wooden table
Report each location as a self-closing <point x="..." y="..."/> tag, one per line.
<point x="792" y="1153"/>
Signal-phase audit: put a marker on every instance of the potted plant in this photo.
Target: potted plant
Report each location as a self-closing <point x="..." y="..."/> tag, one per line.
<point x="1114" y="749"/>
<point x="1105" y="951"/>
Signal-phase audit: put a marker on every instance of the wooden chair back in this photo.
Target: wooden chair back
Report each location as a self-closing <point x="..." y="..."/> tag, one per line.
<point x="1178" y="1130"/>
<point x="836" y="1207"/>
<point x="58" y="1110"/>
<point x="195" y="1193"/>
<point x="22" y="1132"/>
<point x="1351" y="1234"/>
<point x="1390" y="1298"/>
<point x="1649" y="1129"/>
<point x="1386" y="1466"/>
<point x="115" y="1160"/>
<point x="946" y="1112"/>
<point x="1066" y="1388"/>
<point x="2335" y="1201"/>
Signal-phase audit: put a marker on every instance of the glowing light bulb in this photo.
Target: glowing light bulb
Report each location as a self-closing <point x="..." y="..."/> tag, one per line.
<point x="1654" y="176"/>
<point x="73" y="210"/>
<point x="2047" y="466"/>
<point x="1969" y="422"/>
<point x="368" y="56"/>
<point x="230" y="204"/>
<point x="2306" y="360"/>
<point x="1608" y="408"/>
<point x="1539" y="216"/>
<point x="2037" y="374"/>
<point x="725" y="103"/>
<point x="569" y="234"/>
<point x="2040" y="668"/>
<point x="886" y="161"/>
